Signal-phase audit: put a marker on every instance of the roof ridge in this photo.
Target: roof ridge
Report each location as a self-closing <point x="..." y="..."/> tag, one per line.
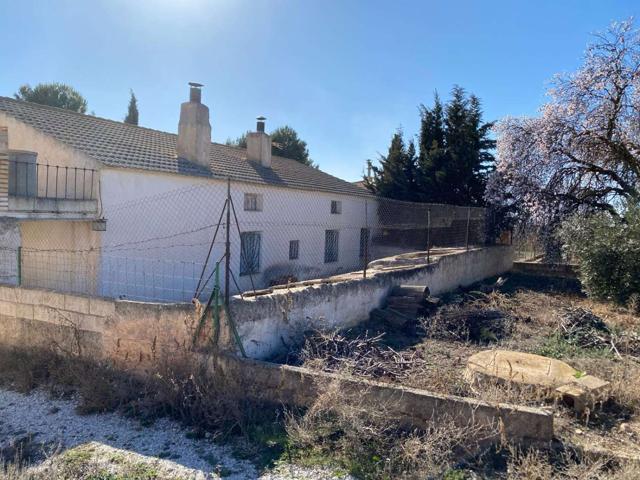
<point x="86" y="115"/>
<point x="64" y="110"/>
<point x="113" y="143"/>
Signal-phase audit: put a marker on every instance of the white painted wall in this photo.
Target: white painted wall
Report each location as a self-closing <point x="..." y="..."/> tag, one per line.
<point x="268" y="323"/>
<point x="147" y="212"/>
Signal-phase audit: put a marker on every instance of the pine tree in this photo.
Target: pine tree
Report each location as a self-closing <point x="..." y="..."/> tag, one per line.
<point x="396" y="175"/>
<point x="132" y="113"/>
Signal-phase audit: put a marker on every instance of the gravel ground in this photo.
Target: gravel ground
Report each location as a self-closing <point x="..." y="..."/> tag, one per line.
<point x="53" y="423"/>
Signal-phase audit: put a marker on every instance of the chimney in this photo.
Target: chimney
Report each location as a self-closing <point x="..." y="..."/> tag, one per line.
<point x="194" y="130"/>
<point x="259" y="145"/>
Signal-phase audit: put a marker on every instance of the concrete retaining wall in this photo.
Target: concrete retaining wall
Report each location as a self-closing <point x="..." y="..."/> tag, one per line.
<point x="271" y="323"/>
<point x="559" y="270"/>
<point x="300" y="386"/>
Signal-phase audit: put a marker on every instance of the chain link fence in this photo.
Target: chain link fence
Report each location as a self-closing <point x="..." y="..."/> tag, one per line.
<point x="185" y="243"/>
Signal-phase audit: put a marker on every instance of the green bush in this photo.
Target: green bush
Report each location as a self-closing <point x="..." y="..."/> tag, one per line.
<point x="607" y="249"/>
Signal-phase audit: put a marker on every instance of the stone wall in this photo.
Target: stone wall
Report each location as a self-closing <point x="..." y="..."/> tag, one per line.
<point x="127" y="332"/>
<point x="4" y="169"/>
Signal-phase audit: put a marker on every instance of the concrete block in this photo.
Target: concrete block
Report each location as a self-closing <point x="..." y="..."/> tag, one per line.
<point x="101" y="307"/>
<point x="8" y="309"/>
<point x="75" y="303"/>
<point x="28" y="295"/>
<point x="24" y="311"/>
<point x="53" y="300"/>
<point x="42" y="313"/>
<point x="7" y="294"/>
<point x="91" y="323"/>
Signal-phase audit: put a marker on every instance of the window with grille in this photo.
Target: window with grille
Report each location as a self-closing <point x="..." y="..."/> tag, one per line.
<point x="294" y="249"/>
<point x="252" y="202"/>
<point x="336" y="206"/>
<point x="331" y="239"/>
<point x="250" y="252"/>
<point x="364" y="242"/>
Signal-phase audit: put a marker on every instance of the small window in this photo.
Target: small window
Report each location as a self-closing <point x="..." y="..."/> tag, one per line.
<point x="336" y="206"/>
<point x="364" y="242"/>
<point x="331" y="239"/>
<point x="250" y="252"/>
<point x="252" y="202"/>
<point x="294" y="249"/>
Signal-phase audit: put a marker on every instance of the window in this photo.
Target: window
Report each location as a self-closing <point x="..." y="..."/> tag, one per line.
<point x="364" y="242"/>
<point x="250" y="252"/>
<point x="252" y="202"/>
<point x="294" y="249"/>
<point x="331" y="238"/>
<point x="336" y="206"/>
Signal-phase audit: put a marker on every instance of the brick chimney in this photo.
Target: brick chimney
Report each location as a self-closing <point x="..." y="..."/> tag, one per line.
<point x="259" y="145"/>
<point x="194" y="129"/>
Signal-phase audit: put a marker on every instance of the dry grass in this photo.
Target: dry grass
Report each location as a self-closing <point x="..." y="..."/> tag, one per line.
<point x="183" y="387"/>
<point x="371" y="443"/>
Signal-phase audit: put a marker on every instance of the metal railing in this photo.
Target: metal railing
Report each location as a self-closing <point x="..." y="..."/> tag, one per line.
<point x="41" y="180"/>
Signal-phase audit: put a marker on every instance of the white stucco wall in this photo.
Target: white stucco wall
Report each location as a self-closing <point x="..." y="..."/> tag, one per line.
<point x="146" y="253"/>
<point x="269" y="323"/>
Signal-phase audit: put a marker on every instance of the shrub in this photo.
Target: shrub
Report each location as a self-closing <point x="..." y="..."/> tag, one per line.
<point x="607" y="249"/>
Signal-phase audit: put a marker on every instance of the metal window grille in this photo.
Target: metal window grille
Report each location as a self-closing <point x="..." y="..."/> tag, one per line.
<point x="251" y="202"/>
<point x="250" y="252"/>
<point x="294" y="249"/>
<point x="336" y="207"/>
<point x="331" y="240"/>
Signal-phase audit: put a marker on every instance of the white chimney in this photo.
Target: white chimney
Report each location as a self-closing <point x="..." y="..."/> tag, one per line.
<point x="259" y="145"/>
<point x="194" y="129"/>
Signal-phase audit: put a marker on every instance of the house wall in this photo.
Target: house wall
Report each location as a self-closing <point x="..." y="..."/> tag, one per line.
<point x="9" y="243"/>
<point x="60" y="255"/>
<point x="50" y="151"/>
<point x="154" y="210"/>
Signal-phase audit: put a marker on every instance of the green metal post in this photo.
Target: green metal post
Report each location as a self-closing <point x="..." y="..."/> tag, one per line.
<point x="216" y="307"/>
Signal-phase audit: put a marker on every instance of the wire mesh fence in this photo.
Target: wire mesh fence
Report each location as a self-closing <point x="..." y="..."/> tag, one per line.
<point x="182" y="244"/>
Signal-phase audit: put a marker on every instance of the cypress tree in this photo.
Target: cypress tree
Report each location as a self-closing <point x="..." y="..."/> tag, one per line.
<point x="396" y="175"/>
<point x="432" y="157"/>
<point x="455" y="151"/>
<point x="132" y="113"/>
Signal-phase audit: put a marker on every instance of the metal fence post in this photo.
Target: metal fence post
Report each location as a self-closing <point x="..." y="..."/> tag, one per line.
<point x="227" y="248"/>
<point x="19" y="266"/>
<point x="366" y="238"/>
<point x="468" y="224"/>
<point x="428" y="234"/>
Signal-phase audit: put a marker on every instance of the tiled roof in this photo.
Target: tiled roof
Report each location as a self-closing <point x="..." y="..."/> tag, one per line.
<point x="118" y="144"/>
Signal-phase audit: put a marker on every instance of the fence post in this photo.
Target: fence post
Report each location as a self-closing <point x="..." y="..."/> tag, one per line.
<point x="19" y="266"/>
<point x="428" y="234"/>
<point x="468" y="223"/>
<point x="227" y="248"/>
<point x="366" y="238"/>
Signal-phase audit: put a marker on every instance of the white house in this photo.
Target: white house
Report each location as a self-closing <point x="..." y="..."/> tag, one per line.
<point x="103" y="207"/>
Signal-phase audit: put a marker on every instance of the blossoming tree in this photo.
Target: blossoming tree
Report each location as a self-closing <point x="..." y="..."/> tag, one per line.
<point x="582" y="153"/>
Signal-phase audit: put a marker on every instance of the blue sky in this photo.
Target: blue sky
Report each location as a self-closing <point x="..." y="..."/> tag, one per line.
<point x="345" y="74"/>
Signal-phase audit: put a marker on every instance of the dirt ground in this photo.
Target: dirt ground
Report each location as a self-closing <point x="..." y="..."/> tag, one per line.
<point x="524" y="314"/>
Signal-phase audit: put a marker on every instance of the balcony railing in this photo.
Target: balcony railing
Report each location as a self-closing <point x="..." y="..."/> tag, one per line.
<point x="41" y="180"/>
